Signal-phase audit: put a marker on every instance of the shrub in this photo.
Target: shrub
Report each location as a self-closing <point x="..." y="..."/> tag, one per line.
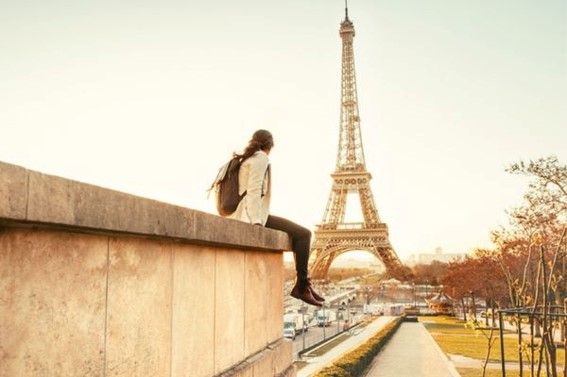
<point x="355" y="362"/>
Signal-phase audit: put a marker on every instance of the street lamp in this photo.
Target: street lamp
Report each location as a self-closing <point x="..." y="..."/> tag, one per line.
<point x="338" y="323"/>
<point x="414" y="295"/>
<point x="348" y="313"/>
<point x="303" y="310"/>
<point x="473" y="305"/>
<point x="324" y="322"/>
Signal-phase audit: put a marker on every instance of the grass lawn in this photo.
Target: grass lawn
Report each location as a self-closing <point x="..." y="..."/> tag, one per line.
<point x="471" y="372"/>
<point x="455" y="338"/>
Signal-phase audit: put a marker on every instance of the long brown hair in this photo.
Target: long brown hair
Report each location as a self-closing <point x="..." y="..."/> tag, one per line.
<point x="261" y="140"/>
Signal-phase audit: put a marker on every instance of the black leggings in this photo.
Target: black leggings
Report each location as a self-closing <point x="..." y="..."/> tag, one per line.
<point x="300" y="241"/>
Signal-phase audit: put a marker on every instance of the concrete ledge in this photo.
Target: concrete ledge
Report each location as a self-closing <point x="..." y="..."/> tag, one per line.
<point x="32" y="197"/>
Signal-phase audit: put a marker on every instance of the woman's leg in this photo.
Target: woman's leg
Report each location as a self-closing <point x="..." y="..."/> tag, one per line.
<point x="300" y="239"/>
<point x="301" y="243"/>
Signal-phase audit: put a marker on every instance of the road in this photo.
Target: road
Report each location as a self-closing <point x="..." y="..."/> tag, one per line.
<point x="313" y="336"/>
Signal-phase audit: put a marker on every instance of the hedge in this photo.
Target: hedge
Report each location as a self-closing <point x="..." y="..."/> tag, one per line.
<point x="355" y="362"/>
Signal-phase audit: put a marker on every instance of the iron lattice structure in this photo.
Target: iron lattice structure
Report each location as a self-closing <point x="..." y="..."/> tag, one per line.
<point x="334" y="236"/>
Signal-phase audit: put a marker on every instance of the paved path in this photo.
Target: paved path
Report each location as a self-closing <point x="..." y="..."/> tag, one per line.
<point x="359" y="336"/>
<point x="412" y="352"/>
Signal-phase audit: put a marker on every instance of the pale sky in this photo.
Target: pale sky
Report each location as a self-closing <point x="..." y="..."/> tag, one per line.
<point x="151" y="97"/>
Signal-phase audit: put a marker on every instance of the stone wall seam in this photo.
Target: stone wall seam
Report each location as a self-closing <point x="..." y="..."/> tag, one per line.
<point x="27" y="193"/>
<point x="244" y="298"/>
<point x="171" y="302"/>
<point x="215" y="309"/>
<point x="106" y="305"/>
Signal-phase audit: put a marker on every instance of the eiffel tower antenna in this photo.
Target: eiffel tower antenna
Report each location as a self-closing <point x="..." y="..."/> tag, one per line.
<point x="334" y="236"/>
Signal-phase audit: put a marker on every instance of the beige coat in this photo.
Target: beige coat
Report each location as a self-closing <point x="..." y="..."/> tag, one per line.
<point x="254" y="179"/>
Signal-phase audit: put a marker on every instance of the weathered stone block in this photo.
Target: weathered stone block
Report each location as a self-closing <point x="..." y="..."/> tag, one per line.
<point x="138" y="335"/>
<point x="283" y="354"/>
<point x="264" y="364"/>
<point x="256" y="302"/>
<point x="275" y="277"/>
<point x="13" y="191"/>
<point x="229" y="309"/>
<point x="193" y="324"/>
<point x="52" y="303"/>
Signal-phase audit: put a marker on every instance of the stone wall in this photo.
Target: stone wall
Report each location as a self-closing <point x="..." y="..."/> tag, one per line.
<point x="95" y="282"/>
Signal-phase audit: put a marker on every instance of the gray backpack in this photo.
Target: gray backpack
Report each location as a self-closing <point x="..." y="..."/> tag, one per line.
<point x="226" y="187"/>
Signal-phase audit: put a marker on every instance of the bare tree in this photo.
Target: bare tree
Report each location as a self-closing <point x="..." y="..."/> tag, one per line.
<point x="533" y="258"/>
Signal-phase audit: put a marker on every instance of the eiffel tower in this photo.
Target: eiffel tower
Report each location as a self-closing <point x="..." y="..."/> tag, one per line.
<point x="334" y="236"/>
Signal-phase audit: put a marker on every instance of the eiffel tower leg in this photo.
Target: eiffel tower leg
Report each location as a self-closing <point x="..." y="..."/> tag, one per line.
<point x="321" y="270"/>
<point x="393" y="265"/>
<point x="319" y="273"/>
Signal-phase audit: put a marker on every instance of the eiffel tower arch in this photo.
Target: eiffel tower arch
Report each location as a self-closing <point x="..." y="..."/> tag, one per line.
<point x="334" y="236"/>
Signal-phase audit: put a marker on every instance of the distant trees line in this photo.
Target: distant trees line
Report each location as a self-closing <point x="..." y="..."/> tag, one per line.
<point x="529" y="259"/>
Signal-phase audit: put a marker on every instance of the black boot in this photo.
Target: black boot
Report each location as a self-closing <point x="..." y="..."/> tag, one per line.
<point x="302" y="291"/>
<point x="316" y="295"/>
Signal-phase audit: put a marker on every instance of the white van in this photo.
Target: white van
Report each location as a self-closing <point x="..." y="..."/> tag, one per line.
<point x="289" y="332"/>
